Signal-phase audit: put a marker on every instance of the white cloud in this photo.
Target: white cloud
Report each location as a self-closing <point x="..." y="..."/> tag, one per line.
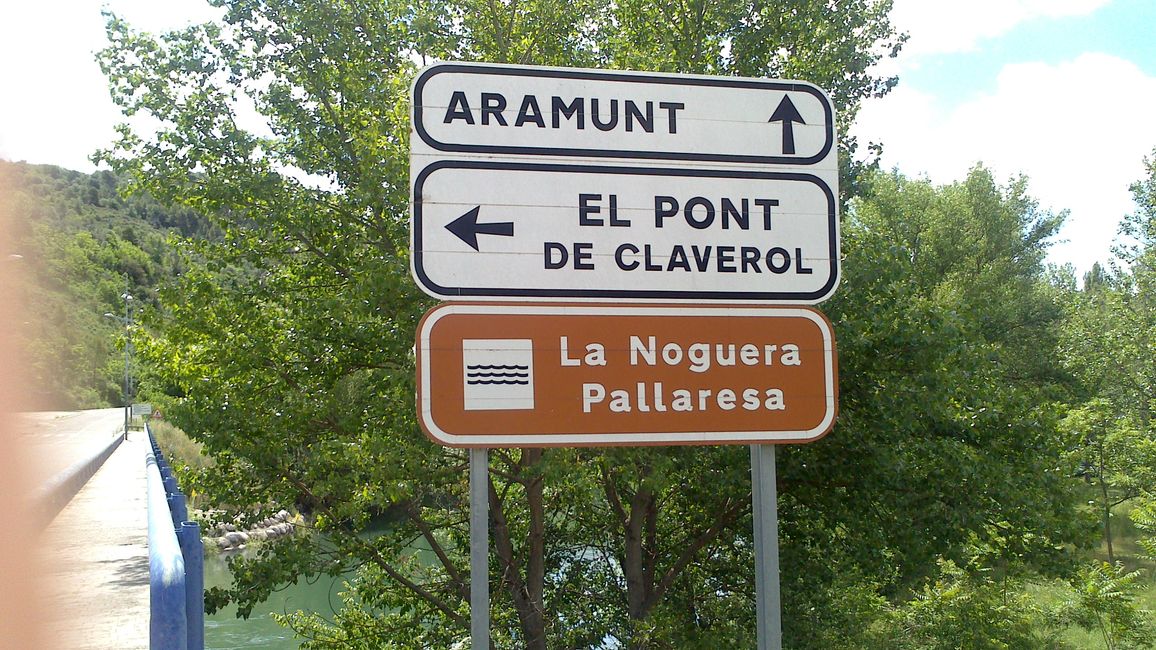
<point x="938" y="26"/>
<point x="1079" y="130"/>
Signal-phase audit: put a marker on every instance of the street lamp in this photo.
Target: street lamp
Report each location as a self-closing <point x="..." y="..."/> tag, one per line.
<point x="126" y="320"/>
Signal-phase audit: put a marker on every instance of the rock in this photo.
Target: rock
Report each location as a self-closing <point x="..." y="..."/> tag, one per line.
<point x="277" y="525"/>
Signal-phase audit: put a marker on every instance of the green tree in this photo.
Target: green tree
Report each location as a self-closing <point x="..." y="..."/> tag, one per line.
<point x="943" y="301"/>
<point x="285" y="348"/>
<point x="1103" y="600"/>
<point x="1144" y="517"/>
<point x="1108" y="343"/>
<point x="1113" y="453"/>
<point x="1141" y="228"/>
<point x="965" y="609"/>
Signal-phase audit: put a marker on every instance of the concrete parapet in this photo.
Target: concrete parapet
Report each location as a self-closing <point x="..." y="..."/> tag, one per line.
<point x="51" y="497"/>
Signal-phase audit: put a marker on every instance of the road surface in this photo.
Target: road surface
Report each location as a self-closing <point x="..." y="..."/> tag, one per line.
<point x="94" y="554"/>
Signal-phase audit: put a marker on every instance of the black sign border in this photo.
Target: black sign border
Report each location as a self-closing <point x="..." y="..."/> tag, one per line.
<point x="468" y="293"/>
<point x="596" y="75"/>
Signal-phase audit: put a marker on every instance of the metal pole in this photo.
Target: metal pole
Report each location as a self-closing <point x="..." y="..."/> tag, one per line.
<point x="766" y="511"/>
<point x="127" y="398"/>
<point x="479" y="549"/>
<point x="127" y="356"/>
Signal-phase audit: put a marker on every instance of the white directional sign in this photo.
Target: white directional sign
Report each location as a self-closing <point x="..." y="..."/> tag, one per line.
<point x="533" y="183"/>
<point x="583" y="231"/>
<point x="488" y="109"/>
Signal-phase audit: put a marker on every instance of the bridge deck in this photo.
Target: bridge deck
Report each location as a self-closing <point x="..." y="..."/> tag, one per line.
<point x="96" y="552"/>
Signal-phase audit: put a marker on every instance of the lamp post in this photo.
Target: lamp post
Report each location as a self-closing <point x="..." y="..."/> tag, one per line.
<point x="126" y="320"/>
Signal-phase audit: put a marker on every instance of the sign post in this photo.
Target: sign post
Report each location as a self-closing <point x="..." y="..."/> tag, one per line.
<point x="479" y="548"/>
<point x="659" y="215"/>
<point x="764" y="495"/>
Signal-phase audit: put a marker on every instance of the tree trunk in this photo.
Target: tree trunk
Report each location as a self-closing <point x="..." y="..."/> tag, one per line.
<point x="534" y="619"/>
<point x="646" y="582"/>
<point x="638" y="567"/>
<point x="526" y="592"/>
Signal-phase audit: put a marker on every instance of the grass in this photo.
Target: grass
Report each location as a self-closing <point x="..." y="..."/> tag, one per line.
<point x="178" y="447"/>
<point x="1127" y="552"/>
<point x="181" y="451"/>
<point x="1125" y="545"/>
<point x="1052" y="594"/>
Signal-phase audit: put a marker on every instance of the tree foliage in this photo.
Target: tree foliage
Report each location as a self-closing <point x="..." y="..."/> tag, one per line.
<point x="964" y="609"/>
<point x="946" y="328"/>
<point x="1102" y="601"/>
<point x="286" y="347"/>
<point x="1109" y="343"/>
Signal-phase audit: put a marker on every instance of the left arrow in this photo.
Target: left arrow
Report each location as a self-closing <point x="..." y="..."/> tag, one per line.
<point x="467" y="228"/>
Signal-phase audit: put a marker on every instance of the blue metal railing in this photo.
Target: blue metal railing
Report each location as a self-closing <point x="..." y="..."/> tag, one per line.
<point x="176" y="562"/>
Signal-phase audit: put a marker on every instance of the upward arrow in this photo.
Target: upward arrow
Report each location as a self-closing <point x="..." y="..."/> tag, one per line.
<point x="788" y="115"/>
<point x="467" y="228"/>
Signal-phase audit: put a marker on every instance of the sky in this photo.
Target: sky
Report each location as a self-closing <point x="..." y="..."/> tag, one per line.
<point x="1060" y="91"/>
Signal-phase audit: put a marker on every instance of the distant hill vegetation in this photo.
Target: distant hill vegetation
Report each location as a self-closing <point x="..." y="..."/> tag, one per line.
<point x="76" y="246"/>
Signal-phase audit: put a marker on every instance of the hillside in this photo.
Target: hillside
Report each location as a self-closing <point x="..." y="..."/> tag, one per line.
<point x="74" y="245"/>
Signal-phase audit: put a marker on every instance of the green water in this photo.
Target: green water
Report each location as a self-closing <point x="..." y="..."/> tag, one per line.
<point x="224" y="631"/>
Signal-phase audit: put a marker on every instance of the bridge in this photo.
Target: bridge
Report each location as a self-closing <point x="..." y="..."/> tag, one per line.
<point x="93" y="505"/>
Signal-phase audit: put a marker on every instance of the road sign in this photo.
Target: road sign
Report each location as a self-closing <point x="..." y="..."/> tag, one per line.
<point x="539" y="183"/>
<point x="518" y="230"/>
<point x="532" y="375"/>
<point x="497" y="109"/>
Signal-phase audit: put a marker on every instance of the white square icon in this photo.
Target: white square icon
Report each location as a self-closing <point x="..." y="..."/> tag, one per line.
<point x="498" y="374"/>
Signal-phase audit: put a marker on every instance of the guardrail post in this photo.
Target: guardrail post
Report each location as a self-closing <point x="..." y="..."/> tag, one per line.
<point x="194" y="552"/>
<point x="170" y="619"/>
<point x="178" y="510"/>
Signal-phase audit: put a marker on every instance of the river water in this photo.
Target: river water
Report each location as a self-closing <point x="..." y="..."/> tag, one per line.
<point x="224" y="631"/>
